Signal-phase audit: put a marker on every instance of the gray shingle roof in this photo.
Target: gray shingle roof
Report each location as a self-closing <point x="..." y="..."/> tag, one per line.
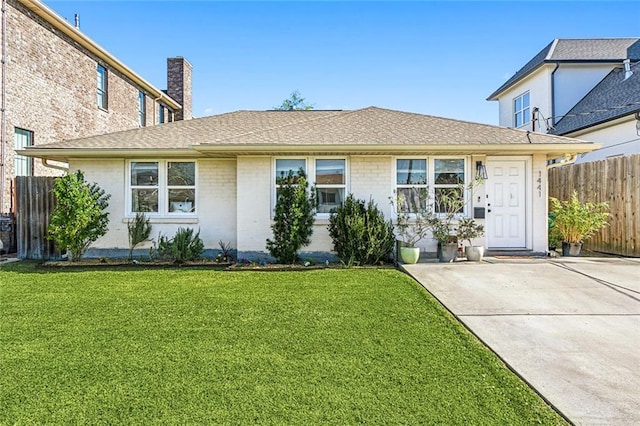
<point x="578" y="50"/>
<point x="370" y="126"/>
<point x="612" y="98"/>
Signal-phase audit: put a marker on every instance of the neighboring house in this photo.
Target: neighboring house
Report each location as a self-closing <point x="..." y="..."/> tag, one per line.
<point x="218" y="174"/>
<point x="586" y="88"/>
<point x="58" y="84"/>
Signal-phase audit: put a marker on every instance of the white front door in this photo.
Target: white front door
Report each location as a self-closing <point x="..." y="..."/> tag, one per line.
<point x="506" y="204"/>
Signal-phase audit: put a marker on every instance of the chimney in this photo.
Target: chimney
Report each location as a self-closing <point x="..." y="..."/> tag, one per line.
<point x="627" y="68"/>
<point x="179" y="85"/>
<point x="77" y="21"/>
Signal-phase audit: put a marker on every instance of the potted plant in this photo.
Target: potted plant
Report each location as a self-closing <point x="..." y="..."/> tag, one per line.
<point x="468" y="229"/>
<point x="576" y="222"/>
<point x="413" y="224"/>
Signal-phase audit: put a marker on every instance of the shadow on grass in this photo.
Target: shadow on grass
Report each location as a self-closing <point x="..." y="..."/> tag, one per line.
<point x="37" y="267"/>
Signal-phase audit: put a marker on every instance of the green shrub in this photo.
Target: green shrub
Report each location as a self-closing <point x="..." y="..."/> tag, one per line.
<point x="139" y="230"/>
<point x="293" y="219"/>
<point x="184" y="246"/>
<point x="576" y="222"/>
<point x="79" y="217"/>
<point x="360" y="234"/>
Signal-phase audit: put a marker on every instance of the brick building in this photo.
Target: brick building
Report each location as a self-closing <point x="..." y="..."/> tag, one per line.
<point x="58" y="84"/>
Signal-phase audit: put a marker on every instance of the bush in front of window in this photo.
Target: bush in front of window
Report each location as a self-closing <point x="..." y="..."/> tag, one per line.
<point x="184" y="246"/>
<point x="360" y="234"/>
<point x="79" y="217"/>
<point x="293" y="219"/>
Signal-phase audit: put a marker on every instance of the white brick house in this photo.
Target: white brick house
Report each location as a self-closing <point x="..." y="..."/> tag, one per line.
<point x="218" y="173"/>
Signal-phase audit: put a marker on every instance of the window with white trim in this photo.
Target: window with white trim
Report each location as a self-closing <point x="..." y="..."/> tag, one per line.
<point x="411" y="184"/>
<point x="162" y="187"/>
<point x="521" y="113"/>
<point x="331" y="183"/>
<point x="419" y="180"/>
<point x="23" y="165"/>
<point x="448" y="182"/>
<point x="329" y="175"/>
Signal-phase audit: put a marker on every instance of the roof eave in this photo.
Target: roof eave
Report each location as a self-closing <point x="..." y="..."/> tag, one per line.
<point x="76" y="35"/>
<point x="495" y="95"/>
<point x="552" y="150"/>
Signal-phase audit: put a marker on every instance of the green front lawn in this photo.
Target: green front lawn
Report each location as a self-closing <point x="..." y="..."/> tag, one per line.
<point x="199" y="346"/>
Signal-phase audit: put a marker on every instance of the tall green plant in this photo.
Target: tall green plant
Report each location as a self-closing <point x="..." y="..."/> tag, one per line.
<point x="576" y="222"/>
<point x="184" y="246"/>
<point x="293" y="219"/>
<point x="79" y="217"/>
<point x="359" y="232"/>
<point x="139" y="230"/>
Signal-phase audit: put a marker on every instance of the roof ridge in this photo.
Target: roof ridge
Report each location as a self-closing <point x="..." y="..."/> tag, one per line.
<point x="277" y="127"/>
<point x="552" y="49"/>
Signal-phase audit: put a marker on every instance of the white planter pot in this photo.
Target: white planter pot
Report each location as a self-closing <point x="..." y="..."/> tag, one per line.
<point x="474" y="253"/>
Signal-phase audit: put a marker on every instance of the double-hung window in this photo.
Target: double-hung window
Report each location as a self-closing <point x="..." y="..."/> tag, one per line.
<point x="521" y="112"/>
<point x="435" y="184"/>
<point x="331" y="183"/>
<point x="142" y="109"/>
<point x="329" y="175"/>
<point x="411" y="184"/>
<point x="162" y="187"/>
<point x="23" y="165"/>
<point x="448" y="185"/>
<point x="160" y="113"/>
<point x="102" y="86"/>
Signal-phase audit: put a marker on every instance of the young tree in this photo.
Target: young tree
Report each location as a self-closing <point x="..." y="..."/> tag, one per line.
<point x="293" y="220"/>
<point x="139" y="231"/>
<point x="79" y="217"/>
<point x="294" y="102"/>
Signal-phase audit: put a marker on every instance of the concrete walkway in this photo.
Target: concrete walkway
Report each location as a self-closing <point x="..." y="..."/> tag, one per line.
<point x="568" y="326"/>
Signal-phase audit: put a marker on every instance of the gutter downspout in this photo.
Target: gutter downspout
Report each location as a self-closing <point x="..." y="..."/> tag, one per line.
<point x="568" y="159"/>
<point x="45" y="162"/>
<point x="553" y="95"/>
<point x="3" y="109"/>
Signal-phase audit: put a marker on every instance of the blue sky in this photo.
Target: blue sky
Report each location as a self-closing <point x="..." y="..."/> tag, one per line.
<point x="439" y="58"/>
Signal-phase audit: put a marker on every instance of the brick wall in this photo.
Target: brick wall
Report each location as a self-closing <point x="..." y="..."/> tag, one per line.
<point x="51" y="90"/>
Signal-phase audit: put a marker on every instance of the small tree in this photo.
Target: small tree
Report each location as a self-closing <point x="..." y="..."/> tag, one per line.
<point x="79" y="217"/>
<point x="294" y="102"/>
<point x="139" y="231"/>
<point x="293" y="220"/>
<point x="359" y="232"/>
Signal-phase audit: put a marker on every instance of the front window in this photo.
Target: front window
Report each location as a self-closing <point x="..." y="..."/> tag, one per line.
<point x="145" y="184"/>
<point x="23" y="165"/>
<point x="163" y="187"/>
<point x="330" y="184"/>
<point x="448" y="184"/>
<point x="411" y="184"/>
<point x="102" y="86"/>
<point x="142" y="109"/>
<point x="437" y="184"/>
<point x="329" y="175"/>
<point x="521" y="112"/>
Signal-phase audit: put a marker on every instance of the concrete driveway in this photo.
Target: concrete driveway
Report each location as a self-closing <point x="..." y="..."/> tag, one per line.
<point x="568" y="326"/>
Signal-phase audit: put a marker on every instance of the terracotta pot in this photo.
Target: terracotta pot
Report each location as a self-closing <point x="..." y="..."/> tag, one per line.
<point x="410" y="254"/>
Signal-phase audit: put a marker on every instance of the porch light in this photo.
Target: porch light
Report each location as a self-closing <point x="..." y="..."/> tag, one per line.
<point x="481" y="171"/>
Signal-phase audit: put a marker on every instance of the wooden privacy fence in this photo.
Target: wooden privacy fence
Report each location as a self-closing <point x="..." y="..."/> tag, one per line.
<point x="615" y="181"/>
<point x="34" y="203"/>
